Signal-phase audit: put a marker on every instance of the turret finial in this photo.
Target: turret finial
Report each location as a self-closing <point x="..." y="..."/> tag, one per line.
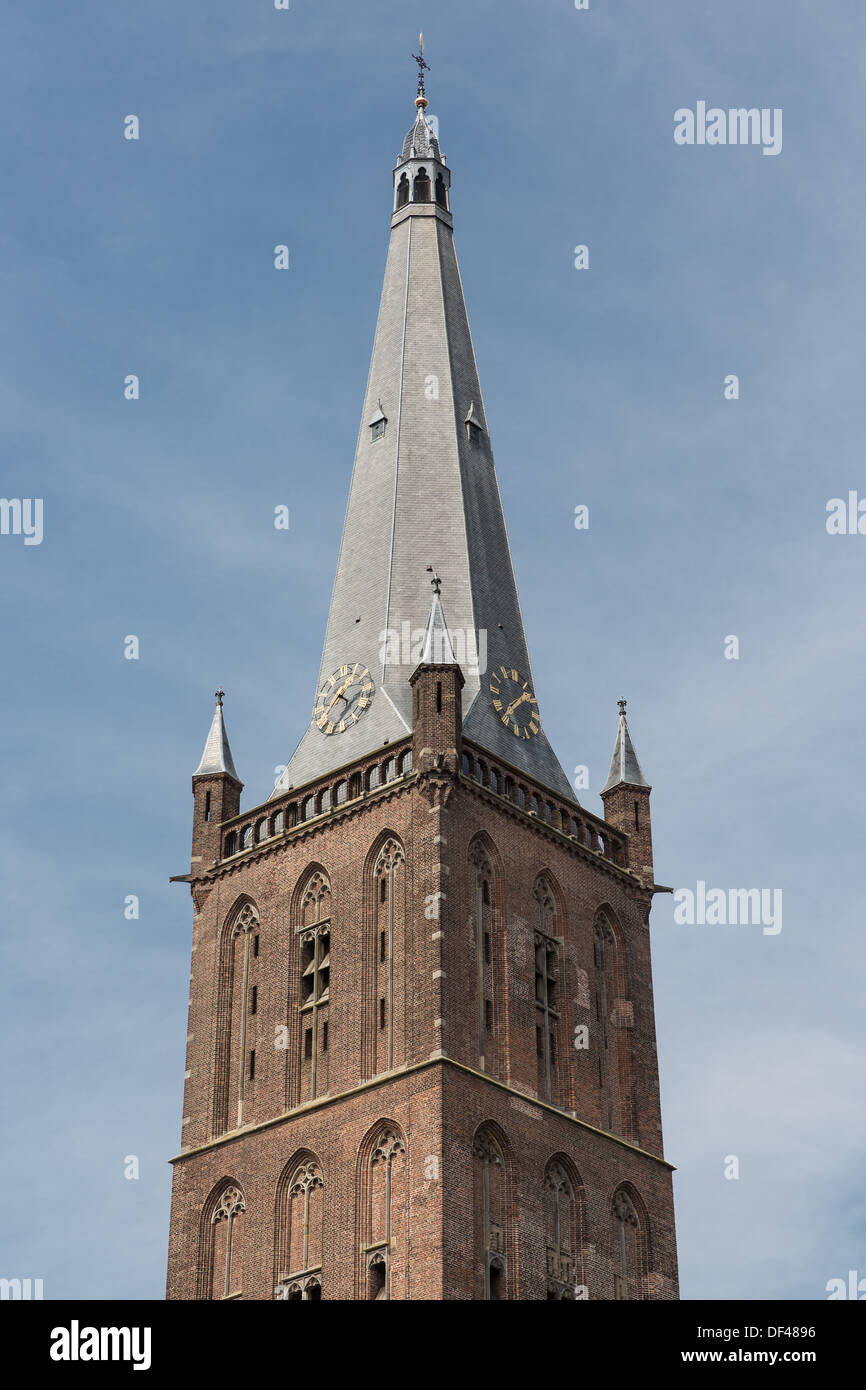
<point x="421" y="100"/>
<point x="621" y="704"/>
<point x="219" y="696"/>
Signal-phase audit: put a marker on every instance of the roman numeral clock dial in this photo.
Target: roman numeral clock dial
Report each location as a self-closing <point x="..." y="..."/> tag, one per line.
<point x="514" y="702"/>
<point x="343" y="698"/>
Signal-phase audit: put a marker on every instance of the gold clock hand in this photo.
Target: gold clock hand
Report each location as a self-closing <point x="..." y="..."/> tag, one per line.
<point x="342" y="690"/>
<point x="519" y="701"/>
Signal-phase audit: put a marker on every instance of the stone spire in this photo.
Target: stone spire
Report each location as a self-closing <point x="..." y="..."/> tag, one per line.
<point x="423" y="488"/>
<point x="624" y="766"/>
<point x="217" y="756"/>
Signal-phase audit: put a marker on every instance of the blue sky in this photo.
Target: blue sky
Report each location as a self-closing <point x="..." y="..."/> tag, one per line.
<point x="602" y="387"/>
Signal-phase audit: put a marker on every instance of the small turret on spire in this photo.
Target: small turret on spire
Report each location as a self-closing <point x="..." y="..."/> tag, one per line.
<point x="626" y="797"/>
<point x="624" y="765"/>
<point x="438" y="649"/>
<point x="217" y="755"/>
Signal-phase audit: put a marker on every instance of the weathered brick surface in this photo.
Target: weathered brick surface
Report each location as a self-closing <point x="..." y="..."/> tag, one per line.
<point x="439" y="1091"/>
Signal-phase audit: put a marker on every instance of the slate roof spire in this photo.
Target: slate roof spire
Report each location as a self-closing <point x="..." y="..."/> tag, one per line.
<point x="423" y="484"/>
<point x="624" y="765"/>
<point x="217" y="755"/>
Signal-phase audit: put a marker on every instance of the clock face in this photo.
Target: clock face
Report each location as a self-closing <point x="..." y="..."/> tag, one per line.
<point x="343" y="698"/>
<point x="514" y="702"/>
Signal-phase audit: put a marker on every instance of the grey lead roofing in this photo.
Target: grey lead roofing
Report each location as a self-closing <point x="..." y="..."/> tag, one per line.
<point x="423" y="493"/>
<point x="624" y="766"/>
<point x="217" y="756"/>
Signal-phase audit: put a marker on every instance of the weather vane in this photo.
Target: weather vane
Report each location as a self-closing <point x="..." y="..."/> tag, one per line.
<point x="421" y="99"/>
<point x="436" y="582"/>
<point x="218" y="695"/>
<point x="621" y="704"/>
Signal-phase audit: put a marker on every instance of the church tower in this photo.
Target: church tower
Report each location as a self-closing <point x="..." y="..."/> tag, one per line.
<point x="421" y="1058"/>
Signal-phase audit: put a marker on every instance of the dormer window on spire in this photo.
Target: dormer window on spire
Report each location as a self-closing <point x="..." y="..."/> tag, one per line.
<point x="378" y="424"/>
<point x="474" y="427"/>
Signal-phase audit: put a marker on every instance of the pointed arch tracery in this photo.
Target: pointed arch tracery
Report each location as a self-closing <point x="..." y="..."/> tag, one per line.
<point x="631" y="1244"/>
<point x="613" y="1010"/>
<point x="313" y="944"/>
<point x="490" y="1021"/>
<point x="383" y="1215"/>
<point x="384" y="995"/>
<point x="220" y="1264"/>
<point x="237" y="1021"/>
<point x="547" y="1002"/>
<point x="300" y="1230"/>
<point x="493" y="1230"/>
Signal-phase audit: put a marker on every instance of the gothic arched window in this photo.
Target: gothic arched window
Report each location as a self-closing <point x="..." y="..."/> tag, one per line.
<point x="487" y="952"/>
<point x="613" y="1015"/>
<point x="630" y="1246"/>
<point x="314" y="934"/>
<point x="221" y="1273"/>
<point x="300" y="1228"/>
<point x="564" y="1232"/>
<point x="546" y="991"/>
<point x="389" y="880"/>
<point x="421" y="187"/>
<point x="402" y="191"/>
<point x="491" y="1216"/>
<point x="441" y="196"/>
<point x="237" y="1024"/>
<point x="383" y="1209"/>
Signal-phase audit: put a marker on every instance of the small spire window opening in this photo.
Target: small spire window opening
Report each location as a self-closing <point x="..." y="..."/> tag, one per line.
<point x="421" y="187"/>
<point x="441" y="195"/>
<point x="254" y="1000"/>
<point x="636" y="817"/>
<point x="381" y="1013"/>
<point x="473" y="432"/>
<point x="438" y="697"/>
<point x="207" y="805"/>
<point x="253" y="1065"/>
<point x="377" y="429"/>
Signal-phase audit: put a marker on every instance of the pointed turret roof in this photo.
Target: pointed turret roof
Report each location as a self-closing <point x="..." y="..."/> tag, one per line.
<point x="624" y="766"/>
<point x="423" y="492"/>
<point x="217" y="756"/>
<point x="437" y="649"/>
<point x="421" y="141"/>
